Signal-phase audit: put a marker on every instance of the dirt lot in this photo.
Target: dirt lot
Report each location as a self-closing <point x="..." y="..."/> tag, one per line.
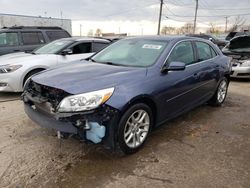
<point x="207" y="147"/>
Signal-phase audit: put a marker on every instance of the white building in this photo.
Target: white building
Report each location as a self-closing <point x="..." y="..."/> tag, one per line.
<point x="8" y="20"/>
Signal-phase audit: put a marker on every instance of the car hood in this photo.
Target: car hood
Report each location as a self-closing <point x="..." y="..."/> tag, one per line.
<point x="17" y="58"/>
<point x="238" y="45"/>
<point x="87" y="76"/>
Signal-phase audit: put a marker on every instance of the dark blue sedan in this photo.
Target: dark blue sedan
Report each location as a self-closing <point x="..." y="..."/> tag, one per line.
<point x="120" y="94"/>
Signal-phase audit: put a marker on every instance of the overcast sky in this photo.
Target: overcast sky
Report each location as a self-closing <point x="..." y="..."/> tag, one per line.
<point x="137" y="11"/>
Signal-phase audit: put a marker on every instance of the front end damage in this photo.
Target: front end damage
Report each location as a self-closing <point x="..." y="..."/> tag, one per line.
<point x="97" y="126"/>
<point x="239" y="51"/>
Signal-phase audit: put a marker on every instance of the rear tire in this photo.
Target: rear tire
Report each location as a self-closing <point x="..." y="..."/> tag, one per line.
<point x="220" y="94"/>
<point x="134" y="128"/>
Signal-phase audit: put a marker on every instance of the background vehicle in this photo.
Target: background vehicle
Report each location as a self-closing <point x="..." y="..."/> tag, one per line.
<point x="239" y="50"/>
<point x="21" y="39"/>
<point x="129" y="88"/>
<point x="236" y="34"/>
<point x="16" y="68"/>
<point x="220" y="43"/>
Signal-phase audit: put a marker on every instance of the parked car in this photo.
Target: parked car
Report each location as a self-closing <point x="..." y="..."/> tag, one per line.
<point x="17" y="68"/>
<point x="219" y="42"/>
<point x="233" y="34"/>
<point x="239" y="50"/>
<point x="21" y="39"/>
<point x="129" y="88"/>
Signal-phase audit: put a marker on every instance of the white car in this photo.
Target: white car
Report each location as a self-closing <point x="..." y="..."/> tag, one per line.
<point x="239" y="51"/>
<point x="16" y="68"/>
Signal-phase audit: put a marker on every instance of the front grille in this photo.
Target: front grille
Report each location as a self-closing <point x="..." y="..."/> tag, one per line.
<point x="50" y="94"/>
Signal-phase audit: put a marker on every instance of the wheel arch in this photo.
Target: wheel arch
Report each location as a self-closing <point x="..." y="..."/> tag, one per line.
<point x="145" y="99"/>
<point x="30" y="71"/>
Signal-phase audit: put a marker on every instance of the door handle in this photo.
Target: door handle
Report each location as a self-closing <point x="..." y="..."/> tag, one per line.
<point x="16" y="50"/>
<point x="196" y="75"/>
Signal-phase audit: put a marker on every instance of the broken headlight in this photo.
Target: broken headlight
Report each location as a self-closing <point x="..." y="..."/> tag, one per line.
<point x="9" y="68"/>
<point x="85" y="101"/>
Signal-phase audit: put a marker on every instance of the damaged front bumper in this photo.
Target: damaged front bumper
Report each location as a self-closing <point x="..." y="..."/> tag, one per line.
<point x="97" y="126"/>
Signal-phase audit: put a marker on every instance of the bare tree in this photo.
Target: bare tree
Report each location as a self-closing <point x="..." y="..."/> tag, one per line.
<point x="213" y="29"/>
<point x="168" y="30"/>
<point x="98" y="32"/>
<point x="186" y="29"/>
<point x="238" y="23"/>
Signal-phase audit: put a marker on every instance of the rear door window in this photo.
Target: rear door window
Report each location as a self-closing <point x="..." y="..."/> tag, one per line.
<point x="82" y="48"/>
<point x="9" y="39"/>
<point x="182" y="52"/>
<point x="32" y="38"/>
<point x="54" y="35"/>
<point x="204" y="51"/>
<point x="98" y="46"/>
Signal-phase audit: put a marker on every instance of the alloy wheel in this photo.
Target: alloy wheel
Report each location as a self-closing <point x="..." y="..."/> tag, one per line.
<point x="222" y="91"/>
<point x="136" y="128"/>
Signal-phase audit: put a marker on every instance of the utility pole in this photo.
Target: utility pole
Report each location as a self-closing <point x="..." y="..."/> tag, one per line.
<point x="159" y="22"/>
<point x="61" y="17"/>
<point x="80" y="30"/>
<point x="226" y="23"/>
<point x="195" y="16"/>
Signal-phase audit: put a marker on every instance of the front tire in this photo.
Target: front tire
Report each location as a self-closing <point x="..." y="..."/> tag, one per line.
<point x="134" y="128"/>
<point x="220" y="94"/>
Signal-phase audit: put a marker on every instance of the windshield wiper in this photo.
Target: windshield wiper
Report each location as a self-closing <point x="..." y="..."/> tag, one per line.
<point x="110" y="63"/>
<point x="90" y="59"/>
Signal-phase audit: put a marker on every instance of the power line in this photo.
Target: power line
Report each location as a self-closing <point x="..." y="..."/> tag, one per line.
<point x="213" y="15"/>
<point x="205" y="7"/>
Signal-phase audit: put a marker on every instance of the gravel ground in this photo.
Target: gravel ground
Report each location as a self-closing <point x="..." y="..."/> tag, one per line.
<point x="207" y="147"/>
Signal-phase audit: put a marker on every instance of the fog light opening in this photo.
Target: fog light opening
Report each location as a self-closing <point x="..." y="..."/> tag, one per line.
<point x="3" y="84"/>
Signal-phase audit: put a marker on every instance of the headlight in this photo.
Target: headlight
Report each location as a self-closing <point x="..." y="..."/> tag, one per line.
<point x="9" y="68"/>
<point x="245" y="63"/>
<point x="85" y="101"/>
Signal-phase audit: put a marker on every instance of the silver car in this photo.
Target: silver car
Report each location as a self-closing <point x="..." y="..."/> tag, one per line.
<point x="239" y="51"/>
<point x="16" y="68"/>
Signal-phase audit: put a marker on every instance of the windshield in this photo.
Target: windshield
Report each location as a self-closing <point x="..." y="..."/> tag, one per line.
<point x="131" y="52"/>
<point x="53" y="47"/>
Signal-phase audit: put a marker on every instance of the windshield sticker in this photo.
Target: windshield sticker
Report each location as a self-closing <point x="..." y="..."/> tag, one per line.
<point x="152" y="46"/>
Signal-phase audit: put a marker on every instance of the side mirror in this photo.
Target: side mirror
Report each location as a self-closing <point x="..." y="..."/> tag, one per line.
<point x="67" y="52"/>
<point x="211" y="39"/>
<point x="174" y="66"/>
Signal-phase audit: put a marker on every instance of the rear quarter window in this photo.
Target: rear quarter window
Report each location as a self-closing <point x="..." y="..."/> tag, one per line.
<point x="54" y="35"/>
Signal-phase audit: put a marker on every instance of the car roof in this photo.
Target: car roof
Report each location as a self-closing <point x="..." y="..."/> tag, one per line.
<point x="162" y="37"/>
<point x="76" y="39"/>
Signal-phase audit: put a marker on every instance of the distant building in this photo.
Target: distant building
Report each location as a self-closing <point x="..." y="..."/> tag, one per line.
<point x="8" y="20"/>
